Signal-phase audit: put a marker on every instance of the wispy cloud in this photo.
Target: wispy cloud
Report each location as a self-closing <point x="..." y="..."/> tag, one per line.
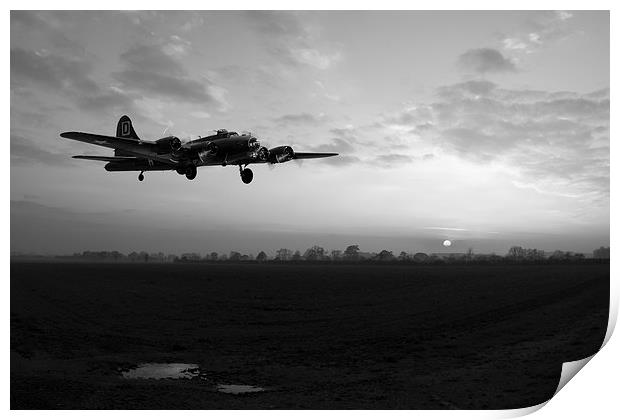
<point x="486" y="60"/>
<point x="299" y="119"/>
<point x="293" y="41"/>
<point x="539" y="30"/>
<point x="26" y="151"/>
<point x="152" y="71"/>
<point x="445" y="228"/>
<point x="556" y="141"/>
<point x="68" y="76"/>
<point x="45" y="25"/>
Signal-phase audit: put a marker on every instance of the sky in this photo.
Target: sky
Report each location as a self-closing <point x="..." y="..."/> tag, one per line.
<point x="489" y="129"/>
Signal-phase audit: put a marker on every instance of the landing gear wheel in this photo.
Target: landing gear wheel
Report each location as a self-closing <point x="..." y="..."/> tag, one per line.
<point x="141" y="176"/>
<point x="191" y="172"/>
<point x="247" y="176"/>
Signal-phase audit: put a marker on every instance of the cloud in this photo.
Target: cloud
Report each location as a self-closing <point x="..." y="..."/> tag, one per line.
<point x="194" y="22"/>
<point x="392" y="159"/>
<point x="149" y="71"/>
<point x="325" y="94"/>
<point x="149" y="83"/>
<point x="46" y="26"/>
<point x="300" y="119"/>
<point x="177" y="46"/>
<point x="26" y="151"/>
<point x="555" y="141"/>
<point x="540" y="29"/>
<point x="485" y="60"/>
<point x="336" y="145"/>
<point x="314" y="57"/>
<point x="564" y="15"/>
<point x="151" y="58"/>
<point x="293" y="42"/>
<point x="345" y="160"/>
<point x="51" y="71"/>
<point x="200" y="114"/>
<point x="111" y="98"/>
<point x="67" y="76"/>
<point x="152" y="72"/>
<point x="348" y="133"/>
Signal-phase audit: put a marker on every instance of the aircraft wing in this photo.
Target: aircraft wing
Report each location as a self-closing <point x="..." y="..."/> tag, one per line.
<point x="108" y="158"/>
<point x="313" y="155"/>
<point x="106" y="141"/>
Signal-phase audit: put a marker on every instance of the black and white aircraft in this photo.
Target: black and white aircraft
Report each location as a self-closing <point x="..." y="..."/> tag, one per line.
<point x="170" y="154"/>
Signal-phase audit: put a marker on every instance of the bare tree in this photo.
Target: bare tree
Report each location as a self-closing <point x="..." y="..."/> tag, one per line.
<point x="601" y="253"/>
<point x="516" y="253"/>
<point x="351" y="253"/>
<point x="315" y="253"/>
<point x="385" y="255"/>
<point x="283" y="254"/>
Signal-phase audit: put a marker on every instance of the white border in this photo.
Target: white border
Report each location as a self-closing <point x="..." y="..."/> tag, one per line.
<point x="592" y="394"/>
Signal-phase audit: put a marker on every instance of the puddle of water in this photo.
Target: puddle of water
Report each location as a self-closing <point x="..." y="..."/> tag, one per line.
<point x="238" y="389"/>
<point x="162" y="371"/>
<point x="183" y="371"/>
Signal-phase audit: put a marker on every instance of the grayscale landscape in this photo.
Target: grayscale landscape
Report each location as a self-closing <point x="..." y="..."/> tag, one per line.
<point x="306" y="209"/>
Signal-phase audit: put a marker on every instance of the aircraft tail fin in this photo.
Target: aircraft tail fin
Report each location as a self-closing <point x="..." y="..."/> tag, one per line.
<point x="124" y="129"/>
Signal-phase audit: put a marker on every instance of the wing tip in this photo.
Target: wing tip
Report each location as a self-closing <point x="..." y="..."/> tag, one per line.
<point x="68" y="134"/>
<point x="313" y="155"/>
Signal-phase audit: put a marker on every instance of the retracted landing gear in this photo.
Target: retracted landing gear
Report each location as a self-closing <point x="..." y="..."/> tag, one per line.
<point x="191" y="172"/>
<point x="246" y="175"/>
<point x="141" y="176"/>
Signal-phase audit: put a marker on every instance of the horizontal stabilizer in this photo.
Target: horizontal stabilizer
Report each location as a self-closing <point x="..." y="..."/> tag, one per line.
<point x="107" y="158"/>
<point x="313" y="155"/>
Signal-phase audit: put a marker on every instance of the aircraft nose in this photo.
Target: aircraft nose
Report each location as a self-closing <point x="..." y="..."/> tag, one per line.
<point x="253" y="143"/>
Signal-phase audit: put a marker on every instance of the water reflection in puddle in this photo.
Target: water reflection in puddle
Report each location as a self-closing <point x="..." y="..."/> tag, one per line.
<point x="162" y="371"/>
<point x="183" y="371"/>
<point x="239" y="389"/>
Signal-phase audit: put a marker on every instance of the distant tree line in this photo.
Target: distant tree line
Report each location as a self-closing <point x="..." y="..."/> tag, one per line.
<point x="353" y="254"/>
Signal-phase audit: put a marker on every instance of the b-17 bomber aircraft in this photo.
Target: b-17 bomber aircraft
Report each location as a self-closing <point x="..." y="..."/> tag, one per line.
<point x="171" y="154"/>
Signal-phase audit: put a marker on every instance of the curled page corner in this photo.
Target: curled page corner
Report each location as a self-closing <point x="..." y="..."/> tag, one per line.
<point x="570" y="369"/>
<point x="519" y="412"/>
<point x="613" y="312"/>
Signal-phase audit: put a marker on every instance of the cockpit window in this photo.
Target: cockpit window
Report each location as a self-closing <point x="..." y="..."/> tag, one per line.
<point x="253" y="143"/>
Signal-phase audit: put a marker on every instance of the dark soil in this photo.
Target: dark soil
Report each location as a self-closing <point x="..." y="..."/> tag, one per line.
<point x="317" y="336"/>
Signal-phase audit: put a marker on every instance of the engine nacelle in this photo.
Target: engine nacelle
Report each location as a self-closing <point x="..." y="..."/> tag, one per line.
<point x="169" y="144"/>
<point x="281" y="154"/>
<point x="175" y="144"/>
<point x="262" y="154"/>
